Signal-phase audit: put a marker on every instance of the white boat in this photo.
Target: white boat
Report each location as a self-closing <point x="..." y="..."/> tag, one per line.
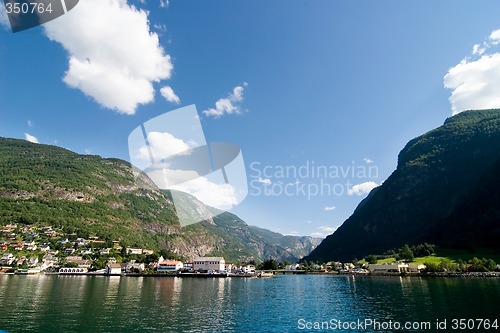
<point x="30" y="271"/>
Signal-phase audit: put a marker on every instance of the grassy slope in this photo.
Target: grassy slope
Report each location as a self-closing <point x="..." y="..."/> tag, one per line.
<point x="448" y="254"/>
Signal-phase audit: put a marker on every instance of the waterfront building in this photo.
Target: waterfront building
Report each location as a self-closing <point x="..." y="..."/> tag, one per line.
<point x="113" y="269"/>
<point x="209" y="264"/>
<point x="169" y="266"/>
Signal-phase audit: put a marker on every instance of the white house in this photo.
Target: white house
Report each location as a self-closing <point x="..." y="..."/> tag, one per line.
<point x="81" y="241"/>
<point x="33" y="261"/>
<point x="209" y="263"/>
<point x="317" y="267"/>
<point x="113" y="269"/>
<point x="248" y="269"/>
<point x="134" y="266"/>
<point x="131" y="250"/>
<point x="292" y="267"/>
<point x="415" y="268"/>
<point x="49" y="261"/>
<point x="105" y="251"/>
<point x="82" y="263"/>
<point x="388" y="268"/>
<point x="7" y="259"/>
<point x="169" y="266"/>
<point x="229" y="266"/>
<point x="30" y="246"/>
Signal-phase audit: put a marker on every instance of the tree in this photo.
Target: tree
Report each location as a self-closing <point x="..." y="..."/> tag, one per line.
<point x="167" y="254"/>
<point x="406" y="253"/>
<point x="423" y="250"/>
<point x="446" y="265"/>
<point x="371" y="259"/>
<point x="71" y="265"/>
<point x="483" y="265"/>
<point x="283" y="264"/>
<point x="152" y="258"/>
<point x="270" y="264"/>
<point x="462" y="266"/>
<point x="431" y="267"/>
<point x="491" y="265"/>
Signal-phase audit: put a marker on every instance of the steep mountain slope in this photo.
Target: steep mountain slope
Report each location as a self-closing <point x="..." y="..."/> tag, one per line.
<point x="90" y="195"/>
<point x="444" y="191"/>
<point x="232" y="237"/>
<point x="299" y="245"/>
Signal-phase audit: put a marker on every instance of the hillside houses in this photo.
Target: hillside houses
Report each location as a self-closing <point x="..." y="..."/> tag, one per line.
<point x="50" y="249"/>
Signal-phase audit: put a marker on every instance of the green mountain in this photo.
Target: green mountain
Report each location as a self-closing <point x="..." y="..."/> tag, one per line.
<point x="88" y="195"/>
<point x="444" y="191"/>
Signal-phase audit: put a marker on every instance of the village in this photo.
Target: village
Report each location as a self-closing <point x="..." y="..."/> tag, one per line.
<point x="26" y="249"/>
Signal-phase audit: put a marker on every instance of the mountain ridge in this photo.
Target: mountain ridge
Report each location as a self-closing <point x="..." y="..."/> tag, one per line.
<point x="427" y="198"/>
<point x="90" y="195"/>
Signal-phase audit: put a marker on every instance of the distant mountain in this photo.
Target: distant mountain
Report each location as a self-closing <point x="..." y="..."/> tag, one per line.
<point x="445" y="191"/>
<point x="90" y="195"/>
<point x="228" y="235"/>
<point x="300" y="246"/>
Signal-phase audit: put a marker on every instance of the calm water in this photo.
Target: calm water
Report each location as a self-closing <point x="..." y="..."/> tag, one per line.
<point x="114" y="304"/>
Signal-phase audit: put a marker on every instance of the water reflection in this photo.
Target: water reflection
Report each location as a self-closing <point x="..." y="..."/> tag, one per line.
<point x="171" y="304"/>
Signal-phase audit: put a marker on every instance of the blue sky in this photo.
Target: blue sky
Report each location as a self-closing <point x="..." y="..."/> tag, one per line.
<point x="336" y="84"/>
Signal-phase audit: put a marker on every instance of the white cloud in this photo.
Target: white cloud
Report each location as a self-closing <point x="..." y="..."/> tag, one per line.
<point x="113" y="56"/>
<point x="475" y="81"/>
<point x="222" y="196"/>
<point x="327" y="229"/>
<point x="308" y="221"/>
<point x="363" y="188"/>
<point x="170" y="95"/>
<point x="87" y="151"/>
<point x="367" y="160"/>
<point x="265" y="181"/>
<point x="30" y="123"/>
<point x="478" y="49"/>
<point x="164" y="3"/>
<point x="163" y="145"/>
<point x="293" y="233"/>
<point x="329" y="208"/>
<point x="219" y="195"/>
<point x="228" y="105"/>
<point x="31" y="138"/>
<point x="494" y="37"/>
<point x="323" y="232"/>
<point x="160" y="27"/>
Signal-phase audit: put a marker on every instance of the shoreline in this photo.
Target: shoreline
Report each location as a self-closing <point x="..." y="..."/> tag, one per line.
<point x="205" y="275"/>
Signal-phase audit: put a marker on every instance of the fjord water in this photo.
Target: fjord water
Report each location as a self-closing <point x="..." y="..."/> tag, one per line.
<point x="172" y="304"/>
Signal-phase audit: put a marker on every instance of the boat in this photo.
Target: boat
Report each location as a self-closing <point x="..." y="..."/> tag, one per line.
<point x="29" y="271"/>
<point x="265" y="274"/>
